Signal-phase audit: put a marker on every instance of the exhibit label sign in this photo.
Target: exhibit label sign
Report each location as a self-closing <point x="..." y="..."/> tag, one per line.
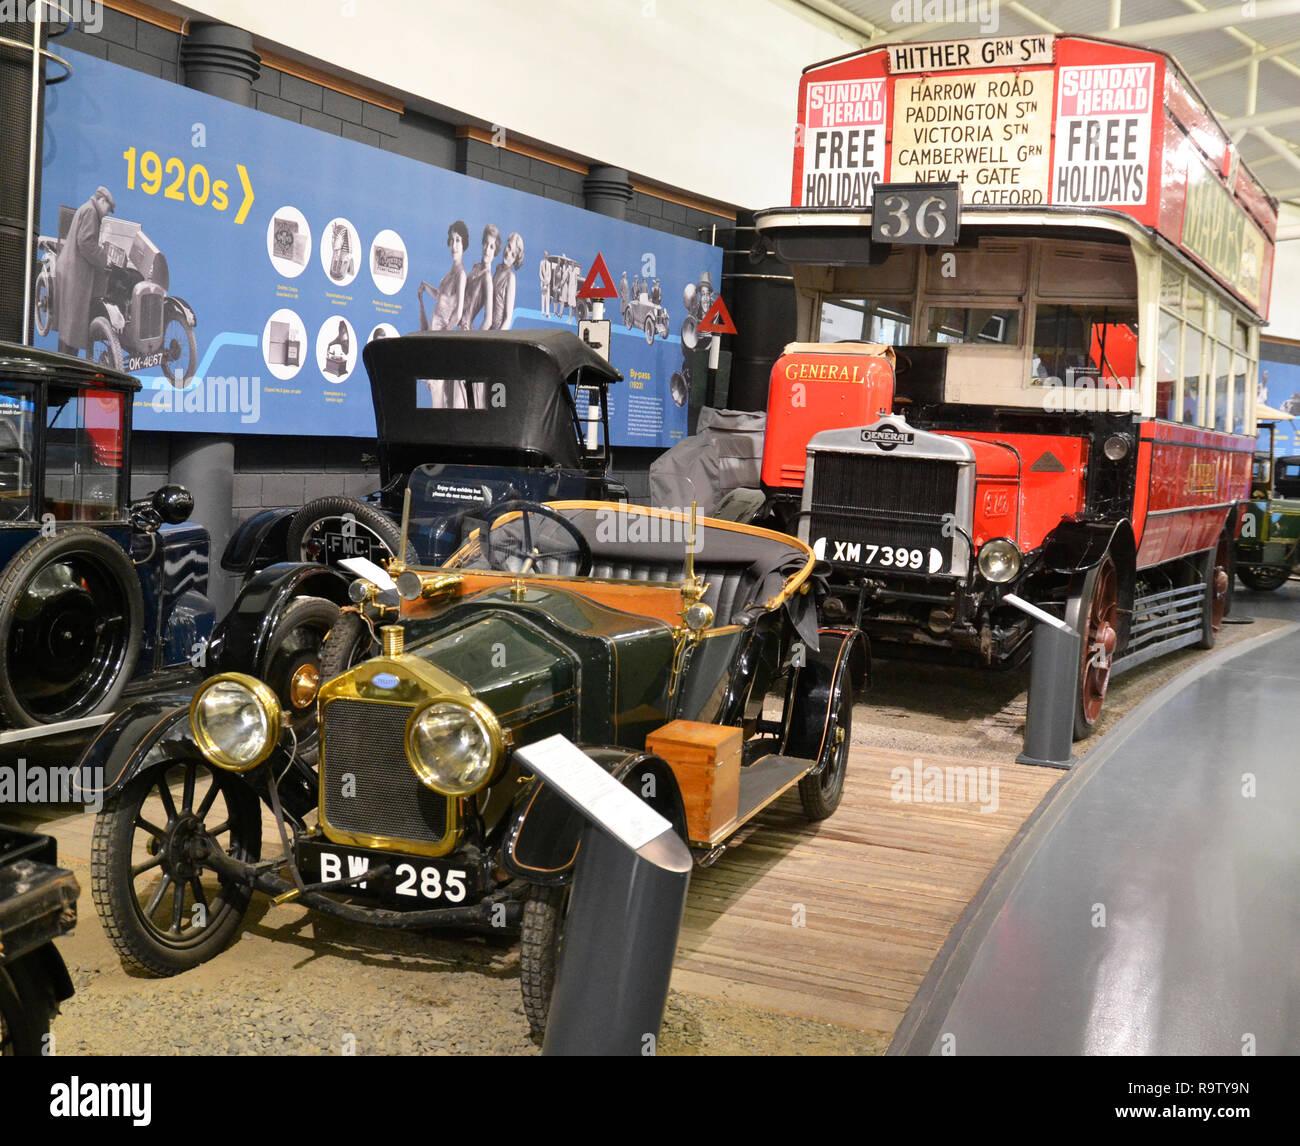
<point x="239" y="245"/>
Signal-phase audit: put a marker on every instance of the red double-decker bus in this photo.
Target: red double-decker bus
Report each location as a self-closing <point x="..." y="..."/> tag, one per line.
<point x="1030" y="274"/>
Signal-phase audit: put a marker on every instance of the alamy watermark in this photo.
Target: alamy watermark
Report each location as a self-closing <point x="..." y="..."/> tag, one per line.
<point x="86" y="15"/>
<point x="629" y="524"/>
<point x="20" y="784"/>
<point x="981" y="12"/>
<point x="242" y="396"/>
<point x="951" y="784"/>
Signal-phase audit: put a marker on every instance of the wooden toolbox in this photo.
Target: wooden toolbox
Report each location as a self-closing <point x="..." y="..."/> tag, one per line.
<point x="705" y="758"/>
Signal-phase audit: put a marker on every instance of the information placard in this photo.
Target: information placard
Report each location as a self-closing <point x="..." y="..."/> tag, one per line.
<point x="584" y="783"/>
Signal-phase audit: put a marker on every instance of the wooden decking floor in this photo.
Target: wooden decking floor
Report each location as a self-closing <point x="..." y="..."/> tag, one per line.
<point x="839" y="921"/>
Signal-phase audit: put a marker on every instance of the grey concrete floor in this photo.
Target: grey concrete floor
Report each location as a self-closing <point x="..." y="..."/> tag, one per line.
<point x="1151" y="907"/>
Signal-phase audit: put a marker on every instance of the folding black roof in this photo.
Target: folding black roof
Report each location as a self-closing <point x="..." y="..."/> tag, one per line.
<point x="530" y="409"/>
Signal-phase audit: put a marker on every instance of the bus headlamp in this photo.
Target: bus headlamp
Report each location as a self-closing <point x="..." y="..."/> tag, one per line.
<point x="454" y="746"/>
<point x="236" y="721"/>
<point x="999" y="560"/>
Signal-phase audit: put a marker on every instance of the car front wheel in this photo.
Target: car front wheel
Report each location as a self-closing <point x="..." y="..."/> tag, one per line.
<point x="162" y="910"/>
<point x="540" y="941"/>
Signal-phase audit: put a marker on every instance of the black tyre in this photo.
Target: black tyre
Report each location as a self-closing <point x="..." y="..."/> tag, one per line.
<point x="105" y="347"/>
<point x="180" y="351"/>
<point x="540" y="942"/>
<point x="71" y="626"/>
<point x="649" y="328"/>
<point x="161" y="909"/>
<point x="28" y="1005"/>
<point x="348" y="643"/>
<point x="291" y="665"/>
<point x="820" y="792"/>
<point x="1263" y="578"/>
<point x="317" y="532"/>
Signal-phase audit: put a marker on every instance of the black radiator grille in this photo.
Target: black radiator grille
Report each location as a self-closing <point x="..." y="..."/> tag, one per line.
<point x="148" y="312"/>
<point x="367" y="739"/>
<point x="879" y="500"/>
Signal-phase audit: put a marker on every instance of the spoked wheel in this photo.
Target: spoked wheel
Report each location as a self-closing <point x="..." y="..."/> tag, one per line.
<point x="1216" y="574"/>
<point x="1099" y="628"/>
<point x="649" y="328"/>
<point x="540" y="942"/>
<point x="1264" y="578"/>
<point x="105" y="348"/>
<point x="291" y="665"/>
<point x="161" y="909"/>
<point x="180" y="352"/>
<point x="820" y="791"/>
<point x="42" y="310"/>
<point x="71" y="618"/>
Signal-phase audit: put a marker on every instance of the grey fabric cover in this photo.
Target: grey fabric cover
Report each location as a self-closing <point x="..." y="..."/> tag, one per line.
<point x="725" y="453"/>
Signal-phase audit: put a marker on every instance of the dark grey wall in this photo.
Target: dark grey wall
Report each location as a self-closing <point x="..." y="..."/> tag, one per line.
<point x="275" y="471"/>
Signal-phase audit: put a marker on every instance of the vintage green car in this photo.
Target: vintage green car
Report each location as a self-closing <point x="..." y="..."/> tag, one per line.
<point x="1270" y="526"/>
<point x="606" y="623"/>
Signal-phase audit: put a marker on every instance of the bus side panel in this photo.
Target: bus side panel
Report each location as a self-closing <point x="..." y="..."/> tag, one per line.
<point x="1197" y="475"/>
<point x="1142" y="485"/>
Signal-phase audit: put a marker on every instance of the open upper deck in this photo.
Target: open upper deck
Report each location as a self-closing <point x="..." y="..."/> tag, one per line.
<point x="1039" y="127"/>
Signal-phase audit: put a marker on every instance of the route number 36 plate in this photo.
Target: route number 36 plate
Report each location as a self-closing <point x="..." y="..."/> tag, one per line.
<point x="920" y="213"/>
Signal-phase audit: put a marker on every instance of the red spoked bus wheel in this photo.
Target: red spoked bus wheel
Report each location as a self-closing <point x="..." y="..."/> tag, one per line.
<point x="1099" y="628"/>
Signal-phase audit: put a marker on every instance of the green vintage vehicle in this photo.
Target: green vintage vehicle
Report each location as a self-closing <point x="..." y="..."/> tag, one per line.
<point x="1270" y="526"/>
<point x="604" y="622"/>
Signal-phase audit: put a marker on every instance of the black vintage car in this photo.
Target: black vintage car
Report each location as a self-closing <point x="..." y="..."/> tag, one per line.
<point x="533" y="422"/>
<point x="38" y="903"/>
<point x="103" y="598"/>
<point x="620" y="627"/>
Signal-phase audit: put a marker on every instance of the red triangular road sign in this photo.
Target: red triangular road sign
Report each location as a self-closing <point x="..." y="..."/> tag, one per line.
<point x="590" y="285"/>
<point x="717" y="320"/>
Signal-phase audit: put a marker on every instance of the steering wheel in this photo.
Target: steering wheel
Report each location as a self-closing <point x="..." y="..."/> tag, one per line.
<point x="524" y="542"/>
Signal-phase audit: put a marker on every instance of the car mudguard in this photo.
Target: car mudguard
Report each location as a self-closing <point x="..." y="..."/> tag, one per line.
<point x="260" y="536"/>
<point x="175" y="307"/>
<point x="1076" y="546"/>
<point x="240" y="637"/>
<point x="842" y="661"/>
<point x="542" y="840"/>
<point x="155" y="730"/>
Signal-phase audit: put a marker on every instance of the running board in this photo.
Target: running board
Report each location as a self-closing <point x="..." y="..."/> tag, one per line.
<point x="761" y="783"/>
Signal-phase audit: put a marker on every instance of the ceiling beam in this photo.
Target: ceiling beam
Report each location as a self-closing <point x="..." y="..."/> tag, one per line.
<point x="1263" y="119"/>
<point x="1032" y="17"/>
<point x="1244" y="61"/>
<point x="847" y="21"/>
<point x="1204" y="21"/>
<point x="1271" y="141"/>
<point x="1249" y="41"/>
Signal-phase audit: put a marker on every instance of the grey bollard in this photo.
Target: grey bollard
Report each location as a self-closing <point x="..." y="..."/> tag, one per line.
<point x="1053" y="685"/>
<point x="620" y="938"/>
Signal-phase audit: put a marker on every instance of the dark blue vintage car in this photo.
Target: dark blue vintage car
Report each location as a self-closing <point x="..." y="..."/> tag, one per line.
<point x="467" y="420"/>
<point x="103" y="598"/>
